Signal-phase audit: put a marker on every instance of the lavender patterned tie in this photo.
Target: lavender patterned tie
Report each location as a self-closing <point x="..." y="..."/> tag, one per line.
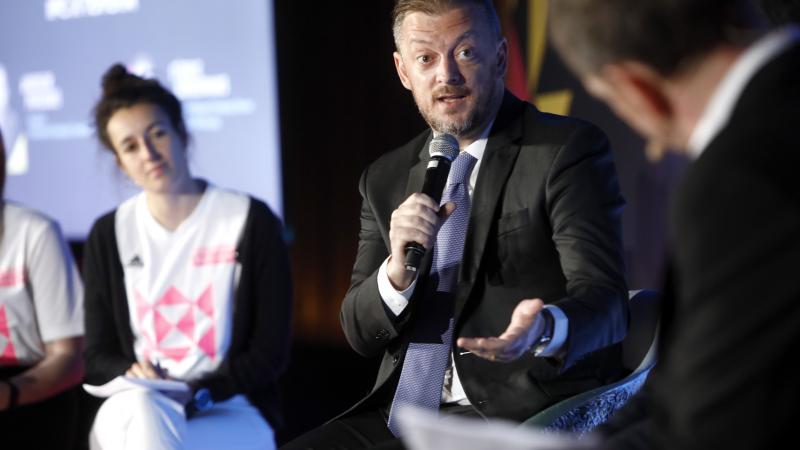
<point x="432" y="333"/>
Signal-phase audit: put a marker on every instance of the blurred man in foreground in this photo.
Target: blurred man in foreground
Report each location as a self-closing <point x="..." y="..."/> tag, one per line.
<point x="701" y="77"/>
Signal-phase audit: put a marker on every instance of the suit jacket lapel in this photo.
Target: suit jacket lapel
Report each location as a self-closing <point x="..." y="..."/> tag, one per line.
<point x="498" y="160"/>
<point x="417" y="173"/>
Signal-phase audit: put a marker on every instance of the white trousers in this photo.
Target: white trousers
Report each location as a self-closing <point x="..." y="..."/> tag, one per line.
<point x="145" y="419"/>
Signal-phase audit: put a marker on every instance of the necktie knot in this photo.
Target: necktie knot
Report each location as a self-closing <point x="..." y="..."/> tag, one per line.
<point x="461" y="168"/>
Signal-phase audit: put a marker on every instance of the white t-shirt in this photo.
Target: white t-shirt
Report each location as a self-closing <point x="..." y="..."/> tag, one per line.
<point x="180" y="284"/>
<point x="41" y="294"/>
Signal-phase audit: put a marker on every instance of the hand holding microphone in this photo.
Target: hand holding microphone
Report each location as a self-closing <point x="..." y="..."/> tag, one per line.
<point x="415" y="222"/>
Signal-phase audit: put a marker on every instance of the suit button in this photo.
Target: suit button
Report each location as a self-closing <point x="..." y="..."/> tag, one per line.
<point x="382" y="335"/>
<point x="395" y="358"/>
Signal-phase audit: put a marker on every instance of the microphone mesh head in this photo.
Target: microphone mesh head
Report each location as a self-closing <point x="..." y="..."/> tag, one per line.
<point x="445" y="146"/>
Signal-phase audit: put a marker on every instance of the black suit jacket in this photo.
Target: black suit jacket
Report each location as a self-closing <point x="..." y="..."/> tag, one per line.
<point x="545" y="222"/>
<point x="731" y="331"/>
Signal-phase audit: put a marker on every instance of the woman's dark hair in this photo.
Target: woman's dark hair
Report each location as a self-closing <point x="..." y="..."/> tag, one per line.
<point x="122" y="89"/>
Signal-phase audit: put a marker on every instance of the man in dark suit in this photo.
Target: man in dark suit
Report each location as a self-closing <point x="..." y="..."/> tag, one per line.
<point x="542" y="265"/>
<point x="704" y="78"/>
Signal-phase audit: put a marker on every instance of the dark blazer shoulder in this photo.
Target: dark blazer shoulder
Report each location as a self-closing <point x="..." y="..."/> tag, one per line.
<point x="385" y="182"/>
<point x="384" y="169"/>
<point x="558" y="130"/>
<point x="102" y="241"/>
<point x="549" y="144"/>
<point x="104" y="225"/>
<point x="520" y="123"/>
<point x="259" y="214"/>
<point x="406" y="152"/>
<point x="262" y="229"/>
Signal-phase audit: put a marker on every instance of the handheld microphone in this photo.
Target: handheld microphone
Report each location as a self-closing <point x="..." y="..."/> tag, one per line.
<point x="443" y="150"/>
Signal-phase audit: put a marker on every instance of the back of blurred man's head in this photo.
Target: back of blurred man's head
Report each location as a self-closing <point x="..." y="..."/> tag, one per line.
<point x="666" y="35"/>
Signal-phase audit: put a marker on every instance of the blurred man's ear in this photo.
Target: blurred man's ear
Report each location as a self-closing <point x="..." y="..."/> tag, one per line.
<point x="641" y="84"/>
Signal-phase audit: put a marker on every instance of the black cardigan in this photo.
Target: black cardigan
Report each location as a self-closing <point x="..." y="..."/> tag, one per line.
<point x="259" y="349"/>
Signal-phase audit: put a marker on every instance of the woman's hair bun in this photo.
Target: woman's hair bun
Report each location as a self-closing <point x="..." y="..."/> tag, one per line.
<point x="115" y="77"/>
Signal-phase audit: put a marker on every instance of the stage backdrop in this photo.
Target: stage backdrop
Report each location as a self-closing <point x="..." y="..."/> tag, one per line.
<point x="217" y="56"/>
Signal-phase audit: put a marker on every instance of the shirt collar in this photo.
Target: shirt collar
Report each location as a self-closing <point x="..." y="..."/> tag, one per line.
<point x="720" y="107"/>
<point x="477" y="148"/>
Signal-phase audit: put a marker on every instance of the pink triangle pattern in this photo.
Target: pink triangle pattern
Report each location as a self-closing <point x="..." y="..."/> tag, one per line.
<point x="161" y="325"/>
<point x="173" y="297"/>
<point x="3" y="321"/>
<point x="206" y="343"/>
<point x="186" y="324"/>
<point x="176" y="353"/>
<point x="12" y="277"/>
<point x="142" y="307"/>
<point x="9" y="354"/>
<point x="206" y="302"/>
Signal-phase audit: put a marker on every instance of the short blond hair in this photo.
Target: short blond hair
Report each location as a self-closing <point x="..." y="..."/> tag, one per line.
<point x="403" y="8"/>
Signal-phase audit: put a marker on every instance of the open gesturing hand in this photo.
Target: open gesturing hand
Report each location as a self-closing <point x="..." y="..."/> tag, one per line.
<point x="523" y="331"/>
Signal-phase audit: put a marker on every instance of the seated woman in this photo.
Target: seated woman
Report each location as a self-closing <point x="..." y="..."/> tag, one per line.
<point x="41" y="330"/>
<point x="185" y="281"/>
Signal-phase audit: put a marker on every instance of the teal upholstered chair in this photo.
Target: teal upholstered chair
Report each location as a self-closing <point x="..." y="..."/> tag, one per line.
<point x="580" y="413"/>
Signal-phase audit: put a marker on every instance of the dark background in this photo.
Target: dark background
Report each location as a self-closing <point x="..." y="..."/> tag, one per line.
<point x="341" y="107"/>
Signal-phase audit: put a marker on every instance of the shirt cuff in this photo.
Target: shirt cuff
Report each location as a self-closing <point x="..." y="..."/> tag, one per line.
<point x="560" y="329"/>
<point x="395" y="300"/>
